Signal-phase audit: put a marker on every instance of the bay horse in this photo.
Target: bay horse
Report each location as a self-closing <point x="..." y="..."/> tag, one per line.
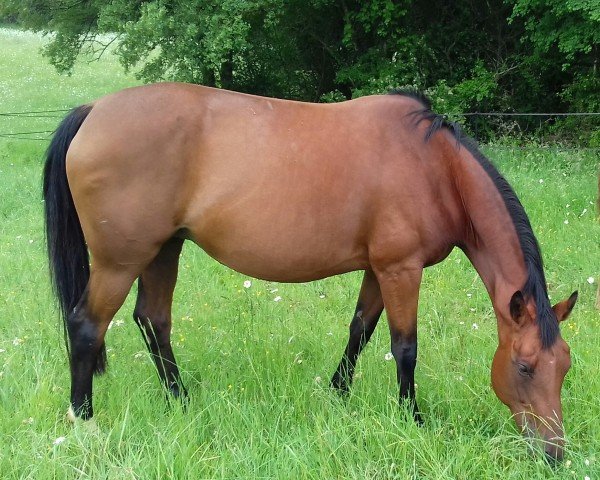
<point x="292" y="192"/>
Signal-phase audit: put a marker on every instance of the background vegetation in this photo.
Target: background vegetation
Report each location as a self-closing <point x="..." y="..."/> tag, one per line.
<point x="257" y="369"/>
<point x="498" y="55"/>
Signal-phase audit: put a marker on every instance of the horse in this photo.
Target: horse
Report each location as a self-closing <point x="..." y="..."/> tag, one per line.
<point x="289" y="191"/>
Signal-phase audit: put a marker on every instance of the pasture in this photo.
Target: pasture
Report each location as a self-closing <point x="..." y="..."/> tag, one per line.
<point x="257" y="357"/>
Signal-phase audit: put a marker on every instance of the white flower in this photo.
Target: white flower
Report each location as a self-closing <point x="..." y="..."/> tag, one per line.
<point x="587" y="462"/>
<point x="469" y="295"/>
<point x="277" y="299"/>
<point x="322" y="296"/>
<point x="590" y="280"/>
<point x="247" y="284"/>
<point x="475" y="326"/>
<point x="17" y="341"/>
<point x="317" y="379"/>
<point x="566" y="222"/>
<point x="541" y="180"/>
<point x="115" y="323"/>
<point x="586" y="478"/>
<point x="388" y="356"/>
<point x="568" y="463"/>
<point x="273" y="290"/>
<point x="59" y="440"/>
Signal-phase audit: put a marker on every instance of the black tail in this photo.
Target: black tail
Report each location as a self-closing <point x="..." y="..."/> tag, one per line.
<point x="67" y="251"/>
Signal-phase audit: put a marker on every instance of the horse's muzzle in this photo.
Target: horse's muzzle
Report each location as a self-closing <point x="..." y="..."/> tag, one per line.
<point x="551" y="440"/>
<point x="554" y="451"/>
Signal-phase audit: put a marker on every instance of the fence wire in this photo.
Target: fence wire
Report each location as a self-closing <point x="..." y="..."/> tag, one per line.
<point x="537" y="114"/>
<point x="36" y="113"/>
<point x="476" y="127"/>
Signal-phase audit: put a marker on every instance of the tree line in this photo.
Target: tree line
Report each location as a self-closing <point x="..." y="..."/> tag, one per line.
<point x="467" y="55"/>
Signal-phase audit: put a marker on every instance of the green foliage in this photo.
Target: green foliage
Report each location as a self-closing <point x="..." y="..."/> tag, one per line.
<point x="503" y="55"/>
<point x="471" y="94"/>
<point x="565" y="35"/>
<point x="571" y="26"/>
<point x="258" y="370"/>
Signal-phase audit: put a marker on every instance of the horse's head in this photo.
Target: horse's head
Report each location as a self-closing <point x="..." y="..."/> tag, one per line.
<point x="528" y="378"/>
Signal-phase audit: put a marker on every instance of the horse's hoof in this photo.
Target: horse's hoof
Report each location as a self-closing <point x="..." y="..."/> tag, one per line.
<point x="343" y="390"/>
<point x="419" y="419"/>
<point x="71" y="417"/>
<point x="340" y="384"/>
<point x="90" y="422"/>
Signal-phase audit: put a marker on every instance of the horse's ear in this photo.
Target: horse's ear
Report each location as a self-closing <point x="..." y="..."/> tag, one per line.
<point x="517" y="306"/>
<point x="563" y="309"/>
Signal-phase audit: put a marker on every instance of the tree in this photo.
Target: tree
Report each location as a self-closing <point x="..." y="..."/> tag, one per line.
<point x="520" y="55"/>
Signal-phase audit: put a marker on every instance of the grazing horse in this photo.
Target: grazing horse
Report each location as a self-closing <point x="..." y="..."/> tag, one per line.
<point x="292" y="192"/>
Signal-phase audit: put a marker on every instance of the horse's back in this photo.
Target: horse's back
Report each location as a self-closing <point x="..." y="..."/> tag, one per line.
<point x="275" y="189"/>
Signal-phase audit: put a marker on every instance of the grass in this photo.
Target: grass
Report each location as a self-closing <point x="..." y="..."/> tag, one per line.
<point x="257" y="370"/>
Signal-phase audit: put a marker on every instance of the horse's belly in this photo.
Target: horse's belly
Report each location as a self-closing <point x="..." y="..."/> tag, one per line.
<point x="281" y="249"/>
<point x="267" y="266"/>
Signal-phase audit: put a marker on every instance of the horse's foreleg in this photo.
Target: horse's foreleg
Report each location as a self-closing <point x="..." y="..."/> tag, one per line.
<point x="153" y="312"/>
<point x="366" y="315"/>
<point x="400" y="290"/>
<point x="87" y="325"/>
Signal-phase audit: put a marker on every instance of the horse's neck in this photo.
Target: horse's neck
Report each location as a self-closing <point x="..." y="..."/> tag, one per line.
<point x="490" y="238"/>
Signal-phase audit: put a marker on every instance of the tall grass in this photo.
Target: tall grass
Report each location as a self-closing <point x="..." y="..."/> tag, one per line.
<point x="257" y="369"/>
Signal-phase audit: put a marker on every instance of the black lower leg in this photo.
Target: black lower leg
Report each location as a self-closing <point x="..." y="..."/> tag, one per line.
<point x="85" y="348"/>
<point x="361" y="329"/>
<point x="162" y="354"/>
<point x="405" y="354"/>
<point x="154" y="321"/>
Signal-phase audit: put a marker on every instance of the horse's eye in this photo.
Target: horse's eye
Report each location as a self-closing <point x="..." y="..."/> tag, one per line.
<point x="524" y="370"/>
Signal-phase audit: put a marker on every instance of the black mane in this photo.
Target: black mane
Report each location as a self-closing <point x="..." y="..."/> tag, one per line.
<point x="535" y="285"/>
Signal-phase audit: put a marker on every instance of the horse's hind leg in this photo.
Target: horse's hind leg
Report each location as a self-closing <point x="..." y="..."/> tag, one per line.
<point x="366" y="316"/>
<point x="153" y="312"/>
<point x="105" y="293"/>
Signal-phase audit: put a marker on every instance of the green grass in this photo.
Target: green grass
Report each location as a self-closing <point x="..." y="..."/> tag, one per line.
<point x="257" y="370"/>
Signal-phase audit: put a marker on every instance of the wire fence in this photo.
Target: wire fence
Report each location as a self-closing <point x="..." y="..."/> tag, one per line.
<point x="37" y="113"/>
<point x="524" y="128"/>
<point x="33" y="135"/>
<point x="552" y="130"/>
